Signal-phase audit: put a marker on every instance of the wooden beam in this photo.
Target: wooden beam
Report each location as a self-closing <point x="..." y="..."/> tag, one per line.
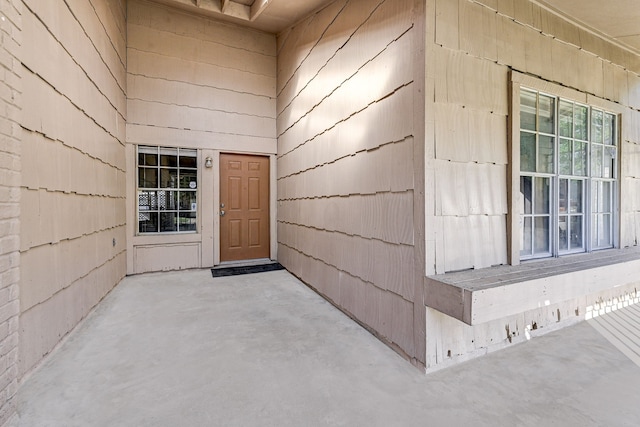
<point x="223" y="5"/>
<point x="257" y="8"/>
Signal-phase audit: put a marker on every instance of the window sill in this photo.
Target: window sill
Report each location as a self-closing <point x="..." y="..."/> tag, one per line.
<point x="479" y="296"/>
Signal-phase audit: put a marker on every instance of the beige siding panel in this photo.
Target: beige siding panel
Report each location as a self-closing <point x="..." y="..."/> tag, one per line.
<point x="511" y="43"/>
<point x="189" y="138"/>
<point x="303" y="38"/>
<point x="73" y="129"/>
<point x="198" y="119"/>
<point x="382" y="216"/>
<point x="47" y="112"/>
<point x="51" y="268"/>
<point x="83" y="76"/>
<point x="105" y="36"/>
<point x="471" y="27"/>
<point x="187" y="94"/>
<point x="167" y="257"/>
<point x="200" y="74"/>
<point x="372" y="127"/>
<point x="391" y="68"/>
<point x="366" y="43"/>
<point x="42" y="326"/>
<point x="351" y="17"/>
<point x="193" y="49"/>
<point x="452" y="132"/>
<point x="160" y="18"/>
<point x="383" y="169"/>
<point x="447" y="33"/>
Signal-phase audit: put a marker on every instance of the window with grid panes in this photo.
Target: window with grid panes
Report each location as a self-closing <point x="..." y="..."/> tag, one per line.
<point x="568" y="173"/>
<point x="167" y="189"/>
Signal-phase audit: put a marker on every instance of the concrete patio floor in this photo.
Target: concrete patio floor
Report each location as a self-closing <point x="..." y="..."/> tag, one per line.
<point x="185" y="349"/>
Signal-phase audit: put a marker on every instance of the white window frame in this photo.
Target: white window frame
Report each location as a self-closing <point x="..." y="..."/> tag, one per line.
<point x="184" y="210"/>
<point x="519" y="82"/>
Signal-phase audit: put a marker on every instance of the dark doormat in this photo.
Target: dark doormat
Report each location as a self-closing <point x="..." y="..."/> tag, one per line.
<point x="248" y="269"/>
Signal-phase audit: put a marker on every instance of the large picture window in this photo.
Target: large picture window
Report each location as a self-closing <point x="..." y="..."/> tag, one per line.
<point x="568" y="158"/>
<point x="167" y="189"/>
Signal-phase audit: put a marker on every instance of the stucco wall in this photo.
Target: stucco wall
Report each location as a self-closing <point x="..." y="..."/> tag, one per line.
<point x="10" y="158"/>
<point x="72" y="216"/>
<point x="471" y="47"/>
<point x="346" y="161"/>
<point x="193" y="82"/>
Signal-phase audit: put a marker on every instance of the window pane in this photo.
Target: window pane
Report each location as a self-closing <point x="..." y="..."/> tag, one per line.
<point x="580" y="122"/>
<point x="188" y="179"/>
<point x="605" y="197"/>
<point x="147" y="178"/>
<point x="148" y="222"/>
<point x="541" y="235"/>
<point x="565" y="124"/>
<point x="527" y="152"/>
<point x="565" y="157"/>
<point x="596" y="195"/>
<point x="609" y="129"/>
<point x="596" y="126"/>
<point x="525" y="240"/>
<point x="147" y="201"/>
<point x="563" y="201"/>
<point x="609" y="161"/>
<point x="168" y="178"/>
<point x="168" y="221"/>
<point x="169" y="157"/>
<point x="188" y="201"/>
<point x="575" y="196"/>
<point x="596" y="160"/>
<point x="542" y="192"/>
<point x="188" y="161"/>
<point x="527" y="110"/>
<point x="604" y="230"/>
<point x="187" y="221"/>
<point x="601" y="226"/>
<point x="545" y="154"/>
<point x="575" y="237"/>
<point x="526" y="194"/>
<point x="563" y="232"/>
<point x="547" y="114"/>
<point x="579" y="158"/>
<point x="147" y="159"/>
<point x="168" y="200"/>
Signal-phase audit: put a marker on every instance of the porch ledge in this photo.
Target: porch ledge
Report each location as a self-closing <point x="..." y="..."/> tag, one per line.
<point x="479" y="296"/>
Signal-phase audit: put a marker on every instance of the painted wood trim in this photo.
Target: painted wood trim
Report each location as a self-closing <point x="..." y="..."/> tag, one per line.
<point x="513" y="172"/>
<point x="477" y="305"/>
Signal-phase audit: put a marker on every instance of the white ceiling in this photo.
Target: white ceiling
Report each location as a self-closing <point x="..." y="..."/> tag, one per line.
<point x="616" y="19"/>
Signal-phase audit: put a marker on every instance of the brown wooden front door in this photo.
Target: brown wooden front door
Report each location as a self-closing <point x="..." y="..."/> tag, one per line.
<point x="244" y="207"/>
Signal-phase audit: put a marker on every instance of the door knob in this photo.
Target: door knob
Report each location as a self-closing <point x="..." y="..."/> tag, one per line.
<point x="221" y="213"/>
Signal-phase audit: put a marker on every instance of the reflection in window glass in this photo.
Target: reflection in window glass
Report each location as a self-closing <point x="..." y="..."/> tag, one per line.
<point x="542" y="195"/>
<point x="545" y="154"/>
<point x="528" y="110"/>
<point x="547" y="114"/>
<point x="580" y="118"/>
<point x="564" y="157"/>
<point x="527" y="152"/>
<point x="541" y="235"/>
<point x="579" y="158"/>
<point x="596" y="126"/>
<point x="526" y="194"/>
<point x="565" y="120"/>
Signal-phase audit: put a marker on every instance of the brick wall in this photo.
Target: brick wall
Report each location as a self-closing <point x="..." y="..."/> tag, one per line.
<point x="10" y="102"/>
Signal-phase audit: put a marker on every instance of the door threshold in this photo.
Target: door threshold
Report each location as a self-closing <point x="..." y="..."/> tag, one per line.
<point x="245" y="263"/>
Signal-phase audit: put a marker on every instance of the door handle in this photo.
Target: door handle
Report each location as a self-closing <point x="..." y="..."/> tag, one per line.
<point x="222" y="213"/>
